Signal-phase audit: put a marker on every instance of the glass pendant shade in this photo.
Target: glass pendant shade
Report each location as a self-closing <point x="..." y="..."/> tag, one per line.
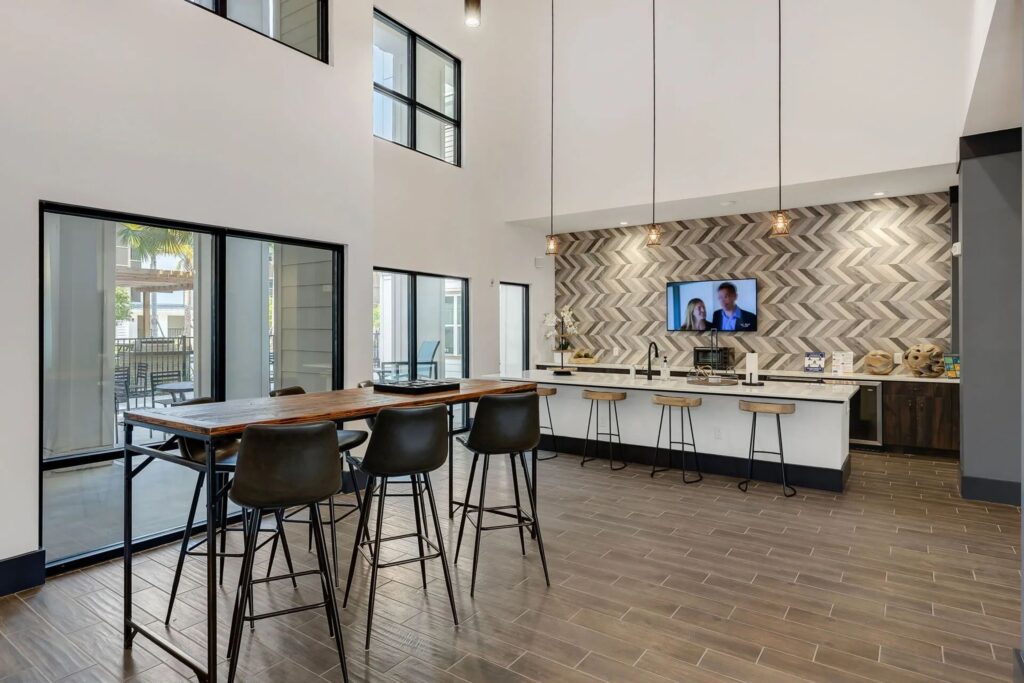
<point x="654" y="233"/>
<point x="472" y="13"/>
<point x="780" y="224"/>
<point x="552" y="246"/>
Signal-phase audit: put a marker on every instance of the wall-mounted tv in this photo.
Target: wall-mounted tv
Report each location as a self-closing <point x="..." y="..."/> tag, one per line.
<point x="724" y="305"/>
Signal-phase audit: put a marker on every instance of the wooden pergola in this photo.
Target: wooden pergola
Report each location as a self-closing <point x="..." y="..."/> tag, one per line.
<point x="149" y="280"/>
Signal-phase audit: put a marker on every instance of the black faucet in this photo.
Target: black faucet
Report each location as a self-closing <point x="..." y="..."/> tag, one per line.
<point x="650" y="347"/>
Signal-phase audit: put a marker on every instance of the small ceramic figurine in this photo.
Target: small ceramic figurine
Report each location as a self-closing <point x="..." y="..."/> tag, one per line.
<point x="924" y="360"/>
<point x="878" y="362"/>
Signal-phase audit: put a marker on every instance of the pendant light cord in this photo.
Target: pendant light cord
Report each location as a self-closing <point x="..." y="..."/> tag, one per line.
<point x="551" y="225"/>
<point x="654" y="113"/>
<point x="780" y="105"/>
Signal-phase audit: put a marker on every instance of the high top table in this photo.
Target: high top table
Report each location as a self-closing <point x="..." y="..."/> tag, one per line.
<point x="209" y="421"/>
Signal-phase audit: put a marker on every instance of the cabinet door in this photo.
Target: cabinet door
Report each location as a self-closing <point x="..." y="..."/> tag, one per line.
<point x="935" y="422"/>
<point x="899" y="425"/>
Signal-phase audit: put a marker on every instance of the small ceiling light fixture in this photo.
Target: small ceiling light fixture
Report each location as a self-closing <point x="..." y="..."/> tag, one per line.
<point x="654" y="230"/>
<point x="780" y="219"/>
<point x="473" y="13"/>
<point x="552" y="242"/>
<point x="727" y="202"/>
<point x="623" y="223"/>
<point x="879" y="194"/>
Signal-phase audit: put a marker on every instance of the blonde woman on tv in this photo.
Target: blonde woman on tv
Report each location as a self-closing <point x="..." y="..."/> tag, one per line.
<point x="696" y="316"/>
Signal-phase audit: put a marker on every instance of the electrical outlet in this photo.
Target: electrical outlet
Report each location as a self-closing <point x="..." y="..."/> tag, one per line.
<point x="897" y="358"/>
<point x="718" y="433"/>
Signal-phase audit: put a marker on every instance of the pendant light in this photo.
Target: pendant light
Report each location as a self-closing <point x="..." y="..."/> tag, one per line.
<point x="780" y="218"/>
<point x="473" y="13"/>
<point x="552" y="242"/>
<point x="654" y="230"/>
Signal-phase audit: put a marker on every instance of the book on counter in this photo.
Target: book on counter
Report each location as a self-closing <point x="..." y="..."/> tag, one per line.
<point x="814" y="361"/>
<point x="842" y="362"/>
<point x="951" y="361"/>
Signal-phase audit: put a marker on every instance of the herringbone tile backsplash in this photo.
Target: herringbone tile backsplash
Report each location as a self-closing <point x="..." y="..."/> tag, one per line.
<point x="857" y="276"/>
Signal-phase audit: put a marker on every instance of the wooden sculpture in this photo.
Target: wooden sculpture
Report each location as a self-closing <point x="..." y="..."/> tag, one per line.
<point x="924" y="360"/>
<point x="878" y="362"/>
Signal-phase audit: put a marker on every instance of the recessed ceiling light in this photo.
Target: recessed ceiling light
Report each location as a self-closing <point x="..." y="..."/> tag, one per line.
<point x="623" y="222"/>
<point x="727" y="202"/>
<point x="879" y="194"/>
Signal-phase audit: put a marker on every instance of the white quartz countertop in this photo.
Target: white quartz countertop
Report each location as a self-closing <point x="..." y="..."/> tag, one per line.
<point x="897" y="375"/>
<point x="793" y="391"/>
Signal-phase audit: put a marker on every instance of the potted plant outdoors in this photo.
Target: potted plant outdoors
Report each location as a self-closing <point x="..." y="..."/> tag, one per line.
<point x="561" y="327"/>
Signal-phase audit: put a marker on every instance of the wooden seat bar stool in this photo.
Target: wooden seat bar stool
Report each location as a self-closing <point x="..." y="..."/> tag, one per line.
<point x="596" y="398"/>
<point x="684" y="404"/>
<point x="545" y="393"/>
<point x="778" y="410"/>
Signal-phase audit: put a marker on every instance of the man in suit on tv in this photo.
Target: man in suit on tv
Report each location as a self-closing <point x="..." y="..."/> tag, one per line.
<point x="730" y="317"/>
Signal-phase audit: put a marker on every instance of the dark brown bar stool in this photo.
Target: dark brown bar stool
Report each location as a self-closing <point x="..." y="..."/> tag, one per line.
<point x="777" y="409"/>
<point x="546" y="393"/>
<point x="596" y="398"/>
<point x="225" y="451"/>
<point x="503" y="424"/>
<point x="347" y="440"/>
<point x="280" y="467"/>
<point x="407" y="443"/>
<point x="684" y="404"/>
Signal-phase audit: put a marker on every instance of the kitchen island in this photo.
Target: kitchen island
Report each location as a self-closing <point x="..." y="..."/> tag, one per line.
<point x="815" y="437"/>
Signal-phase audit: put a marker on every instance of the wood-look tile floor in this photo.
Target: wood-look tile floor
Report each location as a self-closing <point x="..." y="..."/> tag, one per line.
<point x="898" y="579"/>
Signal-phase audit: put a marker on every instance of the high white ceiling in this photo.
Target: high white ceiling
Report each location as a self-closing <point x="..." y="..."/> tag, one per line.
<point x="875" y="97"/>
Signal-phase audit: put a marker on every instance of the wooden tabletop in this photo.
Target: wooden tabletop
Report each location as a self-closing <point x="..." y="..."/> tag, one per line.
<point x="232" y="417"/>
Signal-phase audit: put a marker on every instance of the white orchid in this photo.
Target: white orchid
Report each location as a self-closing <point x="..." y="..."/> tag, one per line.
<point x="561" y="326"/>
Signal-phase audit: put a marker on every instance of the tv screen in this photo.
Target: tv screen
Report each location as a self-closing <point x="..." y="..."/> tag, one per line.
<point x="724" y="305"/>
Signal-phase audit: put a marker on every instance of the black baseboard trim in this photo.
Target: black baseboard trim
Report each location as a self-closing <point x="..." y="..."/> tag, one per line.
<point x="22" y="571"/>
<point x="991" y="490"/>
<point x="797" y="475"/>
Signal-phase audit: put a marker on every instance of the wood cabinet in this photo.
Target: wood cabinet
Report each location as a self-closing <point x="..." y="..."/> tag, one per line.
<point x="921" y="415"/>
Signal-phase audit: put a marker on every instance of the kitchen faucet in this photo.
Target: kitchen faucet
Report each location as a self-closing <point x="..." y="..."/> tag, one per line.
<point x="652" y="346"/>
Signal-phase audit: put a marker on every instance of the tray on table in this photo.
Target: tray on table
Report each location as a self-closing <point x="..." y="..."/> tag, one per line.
<point x="417" y="386"/>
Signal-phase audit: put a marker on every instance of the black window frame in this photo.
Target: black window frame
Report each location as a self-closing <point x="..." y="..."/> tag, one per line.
<point x="218" y="351"/>
<point x="220" y="8"/>
<point x="414" y="106"/>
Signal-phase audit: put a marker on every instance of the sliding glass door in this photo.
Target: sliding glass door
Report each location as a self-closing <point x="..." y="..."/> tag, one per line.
<point x="513" y="325"/>
<point x="129" y="319"/>
<point x="420" y="328"/>
<point x="280" y="318"/>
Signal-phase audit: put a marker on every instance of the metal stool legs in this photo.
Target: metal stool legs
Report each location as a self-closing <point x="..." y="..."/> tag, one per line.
<point x="595" y="409"/>
<point x="550" y="429"/>
<point x="787" y="490"/>
<point x="515" y="512"/>
<point x="420" y="485"/>
<point x="246" y="581"/>
<point x="682" y="442"/>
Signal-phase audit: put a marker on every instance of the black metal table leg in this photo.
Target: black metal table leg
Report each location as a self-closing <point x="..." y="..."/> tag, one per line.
<point x="129" y="631"/>
<point x="533" y="489"/>
<point x="451" y="464"/>
<point x="211" y="563"/>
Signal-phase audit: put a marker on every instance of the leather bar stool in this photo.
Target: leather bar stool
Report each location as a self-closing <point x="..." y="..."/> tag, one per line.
<point x="407" y="443"/>
<point x="225" y="451"/>
<point x="684" y="404"/>
<point x="596" y="398"/>
<point x="504" y="424"/>
<point x="778" y="410"/>
<point x="281" y="467"/>
<point x="347" y="440"/>
<point x="546" y="393"/>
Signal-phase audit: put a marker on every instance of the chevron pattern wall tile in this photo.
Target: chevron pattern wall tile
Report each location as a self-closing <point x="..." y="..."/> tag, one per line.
<point x="873" y="274"/>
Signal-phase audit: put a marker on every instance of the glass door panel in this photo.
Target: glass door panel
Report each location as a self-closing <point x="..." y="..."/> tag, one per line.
<point x="513" y="306"/>
<point x="391" y="301"/>
<point x="279" y="317"/>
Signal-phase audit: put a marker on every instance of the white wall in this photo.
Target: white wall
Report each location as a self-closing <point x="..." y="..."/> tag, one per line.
<point x="160" y="108"/>
<point x="437" y="218"/>
<point x="868" y="87"/>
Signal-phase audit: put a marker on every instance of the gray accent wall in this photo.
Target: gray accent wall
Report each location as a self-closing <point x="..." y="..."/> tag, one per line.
<point x="990" y="325"/>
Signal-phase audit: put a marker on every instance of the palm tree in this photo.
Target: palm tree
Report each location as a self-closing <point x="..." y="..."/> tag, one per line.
<point x="148" y="242"/>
